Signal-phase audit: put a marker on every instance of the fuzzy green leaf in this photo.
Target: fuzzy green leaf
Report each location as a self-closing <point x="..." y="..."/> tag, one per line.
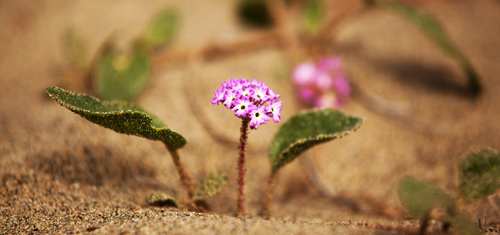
<point x="313" y="15"/>
<point x="464" y="226"/>
<point x="420" y="198"/>
<point x="122" y="76"/>
<point x="162" y="29"/>
<point x="434" y="30"/>
<point x="119" y="116"/>
<point x="479" y="174"/>
<point x="162" y="200"/>
<point x="212" y="185"/>
<point x="308" y="129"/>
<point x="75" y="49"/>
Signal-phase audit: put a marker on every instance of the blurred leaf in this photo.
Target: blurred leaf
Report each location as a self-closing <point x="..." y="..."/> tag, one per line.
<point x="162" y="29"/>
<point x="122" y="76"/>
<point x="464" y="226"/>
<point x="313" y="15"/>
<point x="119" y="116"/>
<point x="308" y="129"/>
<point x="75" y="50"/>
<point x="420" y="198"/>
<point x="162" y="200"/>
<point x="212" y="185"/>
<point x="434" y="30"/>
<point x="479" y="174"/>
<point x="255" y="13"/>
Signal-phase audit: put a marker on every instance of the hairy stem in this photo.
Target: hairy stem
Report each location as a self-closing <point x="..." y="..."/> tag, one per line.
<point x="181" y="170"/>
<point x="425" y="223"/>
<point x="241" y="166"/>
<point x="266" y="207"/>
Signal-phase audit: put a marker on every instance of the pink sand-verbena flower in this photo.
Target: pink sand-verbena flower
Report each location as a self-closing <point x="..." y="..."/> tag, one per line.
<point x="323" y="84"/>
<point x="249" y="99"/>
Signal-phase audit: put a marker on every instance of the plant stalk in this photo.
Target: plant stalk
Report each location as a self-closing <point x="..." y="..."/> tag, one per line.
<point x="425" y="223"/>
<point x="241" y="166"/>
<point x="266" y="207"/>
<point x="181" y="170"/>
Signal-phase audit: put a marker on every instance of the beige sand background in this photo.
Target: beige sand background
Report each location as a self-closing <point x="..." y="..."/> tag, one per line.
<point x="61" y="173"/>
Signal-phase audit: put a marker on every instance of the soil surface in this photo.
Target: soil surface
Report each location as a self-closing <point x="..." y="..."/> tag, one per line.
<point x="63" y="174"/>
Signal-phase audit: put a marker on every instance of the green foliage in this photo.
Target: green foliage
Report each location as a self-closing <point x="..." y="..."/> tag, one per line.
<point x="75" y="49"/>
<point x="464" y="226"/>
<point x="313" y="15"/>
<point x="308" y="129"/>
<point x="121" y="117"/>
<point x="162" y="200"/>
<point x="162" y="29"/>
<point x="420" y="198"/>
<point x="434" y="30"/>
<point x="255" y="13"/>
<point x="121" y="76"/>
<point x="479" y="174"/>
<point x="212" y="185"/>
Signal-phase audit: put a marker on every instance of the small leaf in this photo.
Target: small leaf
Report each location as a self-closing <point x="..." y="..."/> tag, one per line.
<point x="212" y="185"/>
<point x="434" y="30"/>
<point x="420" y="198"/>
<point x="75" y="49"/>
<point x="464" y="226"/>
<point x="162" y="29"/>
<point x="313" y="15"/>
<point x="122" y="76"/>
<point x="255" y="13"/>
<point x="162" y="200"/>
<point x="121" y="117"/>
<point x="479" y="174"/>
<point x="308" y="129"/>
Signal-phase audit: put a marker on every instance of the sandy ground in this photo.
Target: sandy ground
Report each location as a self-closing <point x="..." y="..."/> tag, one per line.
<point x="61" y="173"/>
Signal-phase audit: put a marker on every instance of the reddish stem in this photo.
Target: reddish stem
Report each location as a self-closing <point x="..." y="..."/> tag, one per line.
<point x="181" y="170"/>
<point x="241" y="166"/>
<point x="266" y="207"/>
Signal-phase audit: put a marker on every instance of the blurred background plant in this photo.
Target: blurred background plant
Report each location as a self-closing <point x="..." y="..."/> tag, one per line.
<point x="478" y="181"/>
<point x="111" y="74"/>
<point x="313" y="36"/>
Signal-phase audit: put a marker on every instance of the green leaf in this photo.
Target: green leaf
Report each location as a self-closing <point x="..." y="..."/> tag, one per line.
<point x="122" y="76"/>
<point x="307" y="129"/>
<point x="75" y="49"/>
<point x="212" y="185"/>
<point x="420" y="198"/>
<point x="162" y="200"/>
<point x="479" y="174"/>
<point x="162" y="29"/>
<point x="313" y="15"/>
<point x="464" y="226"/>
<point x="434" y="30"/>
<point x="119" y="116"/>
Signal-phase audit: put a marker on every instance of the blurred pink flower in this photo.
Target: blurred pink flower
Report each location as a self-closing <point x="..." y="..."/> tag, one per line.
<point x="304" y="74"/>
<point x="322" y="84"/>
<point x="307" y="95"/>
<point x="342" y="86"/>
<point x="330" y="63"/>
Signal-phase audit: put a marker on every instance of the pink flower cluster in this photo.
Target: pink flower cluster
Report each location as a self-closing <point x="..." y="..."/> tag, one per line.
<point x="253" y="100"/>
<point x="323" y="84"/>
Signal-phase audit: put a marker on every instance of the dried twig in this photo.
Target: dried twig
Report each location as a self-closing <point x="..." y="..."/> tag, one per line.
<point x="247" y="43"/>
